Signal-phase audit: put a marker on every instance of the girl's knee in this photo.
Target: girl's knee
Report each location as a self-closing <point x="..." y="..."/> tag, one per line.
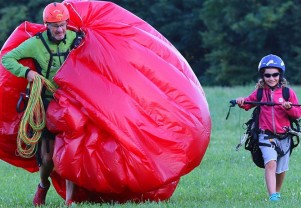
<point x="271" y="165"/>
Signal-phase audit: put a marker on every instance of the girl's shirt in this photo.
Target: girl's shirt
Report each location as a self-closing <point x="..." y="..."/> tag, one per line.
<point x="274" y="118"/>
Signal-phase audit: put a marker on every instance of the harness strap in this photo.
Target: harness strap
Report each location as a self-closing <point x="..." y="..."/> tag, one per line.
<point x="50" y="53"/>
<point x="273" y="145"/>
<point x="278" y="136"/>
<point x="65" y="54"/>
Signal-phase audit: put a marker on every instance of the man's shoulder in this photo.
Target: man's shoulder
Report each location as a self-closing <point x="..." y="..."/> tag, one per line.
<point x="37" y="37"/>
<point x="71" y="33"/>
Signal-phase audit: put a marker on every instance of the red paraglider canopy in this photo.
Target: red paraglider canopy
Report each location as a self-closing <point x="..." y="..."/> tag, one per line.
<point x="130" y="115"/>
<point x="10" y="88"/>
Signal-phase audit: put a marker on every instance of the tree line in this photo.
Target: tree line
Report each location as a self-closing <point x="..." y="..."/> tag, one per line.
<point x="222" y="40"/>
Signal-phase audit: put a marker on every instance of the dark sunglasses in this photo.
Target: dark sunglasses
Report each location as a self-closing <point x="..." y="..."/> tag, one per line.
<point x="269" y="75"/>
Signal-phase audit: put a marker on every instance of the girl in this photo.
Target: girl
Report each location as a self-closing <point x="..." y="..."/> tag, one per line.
<point x="273" y="120"/>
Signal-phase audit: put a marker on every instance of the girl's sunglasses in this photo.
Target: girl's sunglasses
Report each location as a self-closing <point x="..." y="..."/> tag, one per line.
<point x="269" y="75"/>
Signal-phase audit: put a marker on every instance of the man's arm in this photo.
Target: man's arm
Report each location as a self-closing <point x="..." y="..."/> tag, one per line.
<point x="10" y="60"/>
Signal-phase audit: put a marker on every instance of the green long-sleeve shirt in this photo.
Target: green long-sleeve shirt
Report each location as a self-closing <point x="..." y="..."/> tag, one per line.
<point x="34" y="48"/>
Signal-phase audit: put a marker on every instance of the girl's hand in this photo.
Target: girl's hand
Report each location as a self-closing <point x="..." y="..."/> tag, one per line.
<point x="240" y="101"/>
<point x="287" y="105"/>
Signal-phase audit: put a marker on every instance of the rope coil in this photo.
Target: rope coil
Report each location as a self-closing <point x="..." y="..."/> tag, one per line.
<point x="34" y="119"/>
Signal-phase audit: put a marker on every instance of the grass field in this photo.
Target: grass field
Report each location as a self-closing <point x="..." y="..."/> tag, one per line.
<point x="225" y="178"/>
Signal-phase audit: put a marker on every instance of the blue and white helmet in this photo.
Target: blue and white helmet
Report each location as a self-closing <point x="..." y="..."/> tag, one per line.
<point x="271" y="61"/>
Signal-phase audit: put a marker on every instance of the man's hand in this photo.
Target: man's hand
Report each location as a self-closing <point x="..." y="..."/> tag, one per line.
<point x="31" y="75"/>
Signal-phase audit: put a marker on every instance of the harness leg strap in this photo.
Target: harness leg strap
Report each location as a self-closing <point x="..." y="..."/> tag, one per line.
<point x="274" y="146"/>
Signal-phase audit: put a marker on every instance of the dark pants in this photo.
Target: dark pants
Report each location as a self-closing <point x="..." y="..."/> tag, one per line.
<point x="46" y="135"/>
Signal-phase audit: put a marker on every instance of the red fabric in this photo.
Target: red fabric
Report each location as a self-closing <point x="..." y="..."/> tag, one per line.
<point x="131" y="117"/>
<point x="10" y="89"/>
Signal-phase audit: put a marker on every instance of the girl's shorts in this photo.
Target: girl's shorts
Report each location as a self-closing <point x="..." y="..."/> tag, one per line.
<point x="269" y="153"/>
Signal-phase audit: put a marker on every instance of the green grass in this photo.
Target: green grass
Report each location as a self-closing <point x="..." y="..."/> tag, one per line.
<point x="225" y="178"/>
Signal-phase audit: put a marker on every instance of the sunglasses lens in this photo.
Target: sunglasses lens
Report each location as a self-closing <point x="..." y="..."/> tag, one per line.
<point x="269" y="75"/>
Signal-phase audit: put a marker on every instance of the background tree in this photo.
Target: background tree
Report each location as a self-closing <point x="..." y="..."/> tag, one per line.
<point x="14" y="12"/>
<point x="238" y="34"/>
<point x="178" y="21"/>
<point x="222" y="40"/>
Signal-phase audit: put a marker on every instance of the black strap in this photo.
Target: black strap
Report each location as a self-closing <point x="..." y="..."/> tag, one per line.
<point x="278" y="136"/>
<point x="50" y="53"/>
<point x="286" y="93"/>
<point x="228" y="113"/>
<point x="259" y="94"/>
<point x="65" y="54"/>
<point x="274" y="146"/>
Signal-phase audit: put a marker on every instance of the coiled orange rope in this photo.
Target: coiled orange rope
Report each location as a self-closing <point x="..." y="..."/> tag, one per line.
<point x="34" y="119"/>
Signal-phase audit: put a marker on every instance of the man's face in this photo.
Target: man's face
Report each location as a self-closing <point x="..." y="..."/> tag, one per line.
<point x="57" y="29"/>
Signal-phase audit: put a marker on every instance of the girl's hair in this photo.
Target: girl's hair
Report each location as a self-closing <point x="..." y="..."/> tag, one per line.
<point x="282" y="83"/>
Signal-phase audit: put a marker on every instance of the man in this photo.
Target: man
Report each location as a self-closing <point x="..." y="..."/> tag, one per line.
<point x="49" y="49"/>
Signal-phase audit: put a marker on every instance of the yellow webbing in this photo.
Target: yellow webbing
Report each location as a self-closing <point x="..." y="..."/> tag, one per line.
<point x="34" y="119"/>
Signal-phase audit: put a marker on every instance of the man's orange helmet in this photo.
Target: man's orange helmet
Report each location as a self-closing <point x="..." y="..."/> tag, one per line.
<point x="55" y="12"/>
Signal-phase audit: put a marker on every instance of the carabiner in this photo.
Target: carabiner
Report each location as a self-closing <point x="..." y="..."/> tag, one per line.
<point x="24" y="97"/>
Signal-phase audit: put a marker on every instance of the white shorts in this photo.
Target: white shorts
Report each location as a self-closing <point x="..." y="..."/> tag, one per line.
<point x="269" y="153"/>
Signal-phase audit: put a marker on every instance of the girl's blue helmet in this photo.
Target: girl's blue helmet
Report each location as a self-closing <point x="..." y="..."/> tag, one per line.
<point x="271" y="61"/>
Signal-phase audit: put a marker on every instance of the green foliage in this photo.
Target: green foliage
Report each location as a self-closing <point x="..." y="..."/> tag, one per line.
<point x="239" y="34"/>
<point x="9" y="19"/>
<point x="222" y="40"/>
<point x="15" y="12"/>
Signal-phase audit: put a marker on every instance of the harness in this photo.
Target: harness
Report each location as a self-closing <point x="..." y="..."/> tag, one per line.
<point x="273" y="145"/>
<point x="250" y="137"/>
<point x="271" y="135"/>
<point x="52" y="55"/>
